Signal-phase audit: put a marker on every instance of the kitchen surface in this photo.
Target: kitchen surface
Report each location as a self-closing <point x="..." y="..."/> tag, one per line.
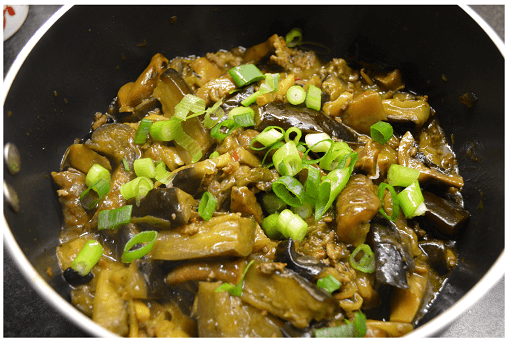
<point x="26" y="314"/>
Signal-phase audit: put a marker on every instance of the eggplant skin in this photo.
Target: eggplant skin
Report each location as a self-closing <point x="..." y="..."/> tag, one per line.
<point x="308" y="120"/>
<point x="306" y="266"/>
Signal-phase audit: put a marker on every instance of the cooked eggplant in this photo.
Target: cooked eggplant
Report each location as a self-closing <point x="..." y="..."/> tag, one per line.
<point x="436" y="255"/>
<point x="306" y="266"/>
<point x="444" y="215"/>
<point x="286" y="116"/>
<point x="169" y="204"/>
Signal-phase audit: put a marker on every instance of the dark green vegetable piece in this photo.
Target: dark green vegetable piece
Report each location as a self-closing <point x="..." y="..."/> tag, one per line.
<point x="355" y="328"/>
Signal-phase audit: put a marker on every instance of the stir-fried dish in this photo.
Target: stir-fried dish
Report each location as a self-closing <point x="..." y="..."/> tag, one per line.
<point x="260" y="192"/>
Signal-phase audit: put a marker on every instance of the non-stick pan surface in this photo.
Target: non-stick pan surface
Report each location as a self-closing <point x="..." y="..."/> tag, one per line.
<point x="82" y="60"/>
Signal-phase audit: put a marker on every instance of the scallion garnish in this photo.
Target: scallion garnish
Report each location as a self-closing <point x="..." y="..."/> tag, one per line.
<point x="96" y="173"/>
<point x="329" y="189"/>
<point x="189" y="103"/>
<point x="160" y="173"/>
<point x="99" y="190"/>
<point x="287" y="160"/>
<point x="313" y="98"/>
<point x="268" y="224"/>
<point x="312" y="185"/>
<point x="164" y="130"/>
<point x="318" y="142"/>
<point x="381" y="132"/>
<point x="88" y="257"/>
<point x="142" y="131"/>
<point x="411" y="200"/>
<point x="291" y="225"/>
<point x="272" y="203"/>
<point x="138" y="188"/>
<point x="294" y="37"/>
<point x="269" y="136"/>
<point x="296" y="95"/>
<point x="380" y="193"/>
<point x="215" y="110"/>
<point x="240" y="110"/>
<point x="335" y="155"/>
<point x="293" y="130"/>
<point x="230" y="124"/>
<point x="238" y="289"/>
<point x="355" y="328"/>
<point x="366" y="263"/>
<point x="148" y="237"/>
<point x="144" y="167"/>
<point x="125" y="164"/>
<point x="207" y="206"/>
<point x="329" y="283"/>
<point x="245" y="74"/>
<point x="244" y="119"/>
<point x="304" y="211"/>
<point x="290" y="190"/>
<point x="214" y="154"/>
<point x="111" y="219"/>
<point x="402" y="176"/>
<point x="189" y="144"/>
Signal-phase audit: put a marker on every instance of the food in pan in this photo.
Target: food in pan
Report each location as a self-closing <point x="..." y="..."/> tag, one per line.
<point x="260" y="192"/>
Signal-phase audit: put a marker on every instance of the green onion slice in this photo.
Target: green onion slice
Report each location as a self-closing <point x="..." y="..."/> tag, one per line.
<point x="381" y="132"/>
<point x="335" y="156"/>
<point x="268" y="224"/>
<point x="291" y="225"/>
<point x="318" y="142"/>
<point x="142" y="131"/>
<point x="275" y="146"/>
<point x="269" y="136"/>
<point x="189" y="103"/>
<point x="355" y="328"/>
<point x="290" y="190"/>
<point x="244" y="120"/>
<point x="313" y="98"/>
<point x="138" y="188"/>
<point x="189" y="144"/>
<point x="147" y="237"/>
<point x="304" y="211"/>
<point x="100" y="189"/>
<point x="215" y="110"/>
<point x="329" y="189"/>
<point x="245" y="74"/>
<point x="235" y="290"/>
<point x="214" y="154"/>
<point x="144" y="167"/>
<point x="230" y="124"/>
<point x="270" y="84"/>
<point x="96" y="173"/>
<point x="160" y="173"/>
<point x="240" y="110"/>
<point x="207" y="206"/>
<point x="297" y="137"/>
<point x="287" y="160"/>
<point x="165" y="130"/>
<point x="312" y="185"/>
<point x="125" y="164"/>
<point x="272" y="203"/>
<point x="402" y="176"/>
<point x="251" y="98"/>
<point x="366" y="263"/>
<point x="329" y="284"/>
<point x="380" y="193"/>
<point x="296" y="95"/>
<point x="411" y="200"/>
<point x="111" y="219"/>
<point x="294" y="37"/>
<point x="88" y="257"/>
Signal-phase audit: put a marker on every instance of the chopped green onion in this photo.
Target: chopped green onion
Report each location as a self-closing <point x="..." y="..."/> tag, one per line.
<point x="272" y="203"/>
<point x="251" y="98"/>
<point x="329" y="284"/>
<point x="329" y="189"/>
<point x="394" y="198"/>
<point x="244" y="120"/>
<point x="88" y="257"/>
<point x="238" y="289"/>
<point x="313" y="98"/>
<point x="411" y="200"/>
<point x="290" y="131"/>
<point x="366" y="263"/>
<point x="275" y="146"/>
<point x="214" y="154"/>
<point x="296" y="95"/>
<point x="312" y="185"/>
<point x="290" y="190"/>
<point x="207" y="206"/>
<point x="381" y="132"/>
<point x="230" y="124"/>
<point x="100" y="189"/>
<point x="268" y="224"/>
<point x="111" y="219"/>
<point x="161" y="174"/>
<point x="148" y="237"/>
<point x="164" y="130"/>
<point x="355" y="328"/>
<point x="240" y="110"/>
<point x="142" y="131"/>
<point x="125" y="164"/>
<point x="294" y="37"/>
<point x="402" y="176"/>
<point x="136" y="188"/>
<point x="335" y="155"/>
<point x="287" y="160"/>
<point x="318" y="142"/>
<point x="291" y="225"/>
<point x="144" y="167"/>
<point x="96" y="173"/>
<point x="245" y="74"/>
<point x="189" y="144"/>
<point x="189" y="103"/>
<point x="270" y="84"/>
<point x="217" y="111"/>
<point x="269" y="136"/>
<point x="304" y="211"/>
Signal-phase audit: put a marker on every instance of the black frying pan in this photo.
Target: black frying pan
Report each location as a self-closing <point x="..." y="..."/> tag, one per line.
<point x="79" y="64"/>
